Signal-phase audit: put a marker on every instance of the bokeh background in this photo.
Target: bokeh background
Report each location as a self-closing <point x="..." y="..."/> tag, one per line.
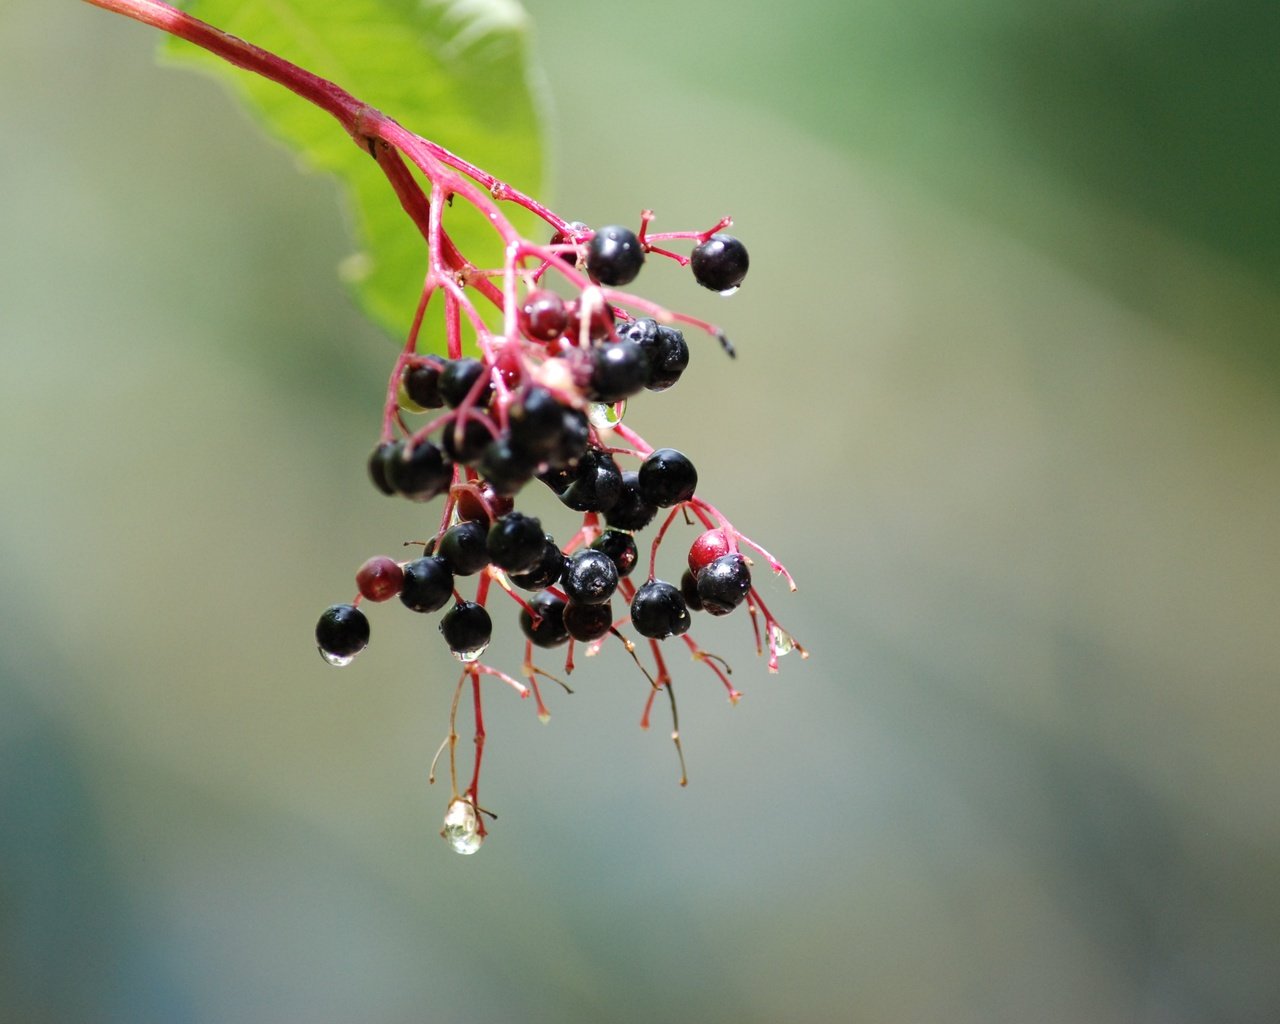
<point x="1007" y="403"/>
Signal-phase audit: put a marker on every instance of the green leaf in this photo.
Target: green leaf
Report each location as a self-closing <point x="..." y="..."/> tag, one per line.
<point x="454" y="71"/>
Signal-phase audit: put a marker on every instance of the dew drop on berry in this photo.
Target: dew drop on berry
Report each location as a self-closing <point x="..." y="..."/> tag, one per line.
<point x="470" y="654"/>
<point x="604" y="416"/>
<point x="462" y="827"/>
<point x="729" y="291"/>
<point x="337" y="660"/>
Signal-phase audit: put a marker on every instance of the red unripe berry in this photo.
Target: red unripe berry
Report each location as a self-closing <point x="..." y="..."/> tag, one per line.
<point x="543" y="316"/>
<point x="379" y="579"/>
<point x="706" y="549"/>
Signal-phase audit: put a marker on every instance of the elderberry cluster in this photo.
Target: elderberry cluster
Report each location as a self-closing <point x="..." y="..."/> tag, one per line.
<point x="542" y="404"/>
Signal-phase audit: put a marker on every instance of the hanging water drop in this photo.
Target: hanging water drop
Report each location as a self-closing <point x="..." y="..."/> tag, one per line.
<point x="606" y="416"/>
<point x="462" y="827"/>
<point x="336" y="660"/>
<point x="780" y="641"/>
<point x="729" y="291"/>
<point x="470" y="654"/>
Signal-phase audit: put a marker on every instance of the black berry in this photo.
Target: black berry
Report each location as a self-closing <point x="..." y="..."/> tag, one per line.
<point x="422" y="383"/>
<point x="467" y="628"/>
<point x="546" y="571"/>
<point x="342" y="633"/>
<point x="516" y="542"/>
<point x="621" y="549"/>
<point x="689" y="591"/>
<point x="723" y="583"/>
<point x="420" y="475"/>
<point x="614" y="256"/>
<point x="459" y="376"/>
<point x="464" y="548"/>
<point x="631" y="511"/>
<point x="590" y="577"/>
<point x="664" y="347"/>
<point x="465" y="442"/>
<point x="667" y="477"/>
<point x="548" y="630"/>
<point x="588" y="621"/>
<point x="506" y="466"/>
<point x="658" y="611"/>
<point x="536" y="421"/>
<point x="720" y="263"/>
<point x="618" y="370"/>
<point x="378" y="466"/>
<point x="597" y="483"/>
<point x="427" y="585"/>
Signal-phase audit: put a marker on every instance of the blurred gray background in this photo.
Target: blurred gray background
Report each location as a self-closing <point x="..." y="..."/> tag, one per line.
<point x="1007" y="403"/>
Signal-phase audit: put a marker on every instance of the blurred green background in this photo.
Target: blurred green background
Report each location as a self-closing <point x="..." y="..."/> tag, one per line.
<point x="1007" y="403"/>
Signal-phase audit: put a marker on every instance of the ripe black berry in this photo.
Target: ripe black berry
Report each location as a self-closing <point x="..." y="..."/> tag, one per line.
<point x="720" y="263"/>
<point x="543" y="316"/>
<point x="459" y="376"/>
<point x="467" y="629"/>
<point x="549" y="629"/>
<point x="465" y="442"/>
<point x="723" y="583"/>
<point x="575" y="432"/>
<point x="516" y="542"/>
<point x="420" y="476"/>
<point x="546" y="571"/>
<point x="428" y="584"/>
<point x="378" y="466"/>
<point x="689" y="591"/>
<point x="667" y="477"/>
<point x="464" y="548"/>
<point x="379" y="579"/>
<point x="536" y="421"/>
<point x="422" y="383"/>
<point x="631" y="511"/>
<point x="590" y="577"/>
<point x="621" y="549"/>
<point x="597" y="483"/>
<point x="506" y="466"/>
<point x="618" y="370"/>
<point x="614" y="256"/>
<point x="658" y="611"/>
<point x="664" y="347"/>
<point x="588" y="621"/>
<point x="342" y="633"/>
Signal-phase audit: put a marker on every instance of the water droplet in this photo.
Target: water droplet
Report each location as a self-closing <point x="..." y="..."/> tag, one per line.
<point x="462" y="827"/>
<point x="780" y="641"/>
<point x="336" y="660"/>
<point x="729" y="291"/>
<point x="471" y="654"/>
<point x="606" y="417"/>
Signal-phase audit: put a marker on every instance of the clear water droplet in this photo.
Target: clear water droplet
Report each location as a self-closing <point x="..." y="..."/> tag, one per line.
<point x="471" y="654"/>
<point x="780" y="641"/>
<point x="729" y="291"/>
<point x="604" y="416"/>
<point x="336" y="660"/>
<point x="462" y="827"/>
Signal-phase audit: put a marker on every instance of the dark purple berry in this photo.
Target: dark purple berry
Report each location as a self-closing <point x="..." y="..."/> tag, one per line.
<point x="420" y="475"/>
<point x="614" y="256"/>
<point x="459" y="376"/>
<point x="631" y="511"/>
<point x="506" y="466"/>
<point x="464" y="548"/>
<point x="422" y="383"/>
<point x="590" y="577"/>
<point x="621" y="549"/>
<point x="378" y="466"/>
<point x="342" y="633"/>
<point x="597" y="483"/>
<point x="720" y="263"/>
<point x="658" y="611"/>
<point x="664" y="347"/>
<point x="467" y="628"/>
<point x="618" y="370"/>
<point x="723" y="583"/>
<point x="667" y="477"/>
<point x="689" y="591"/>
<point x="588" y="621"/>
<point x="545" y="626"/>
<point x="428" y="584"/>
<point x="546" y="571"/>
<point x="536" y="421"/>
<point x="464" y="442"/>
<point x="543" y="316"/>
<point x="515" y="542"/>
<point x="571" y="444"/>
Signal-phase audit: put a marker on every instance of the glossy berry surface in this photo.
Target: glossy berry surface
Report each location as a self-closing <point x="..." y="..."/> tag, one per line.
<point x="457" y="379"/>
<point x="620" y="546"/>
<point x="618" y="370"/>
<point x="707" y="548"/>
<point x="614" y="256"/>
<point x="658" y="611"/>
<point x="631" y="511"/>
<point x="668" y="359"/>
<point x="466" y="627"/>
<point x="723" y="583"/>
<point x="590" y="577"/>
<point x="548" y="629"/>
<point x="720" y="263"/>
<point x="667" y="477"/>
<point x="427" y="584"/>
<point x="380" y="578"/>
<point x="588" y="621"/>
<point x="505" y="466"/>
<point x="547" y="570"/>
<point x="378" y="466"/>
<point x="536" y="421"/>
<point x="516" y="542"/>
<point x="597" y="483"/>
<point x="543" y="316"/>
<point x="422" y="383"/>
<point x="421" y="474"/>
<point x="465" y="548"/>
<point x="464" y="440"/>
<point x="342" y="633"/>
<point x="689" y="591"/>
